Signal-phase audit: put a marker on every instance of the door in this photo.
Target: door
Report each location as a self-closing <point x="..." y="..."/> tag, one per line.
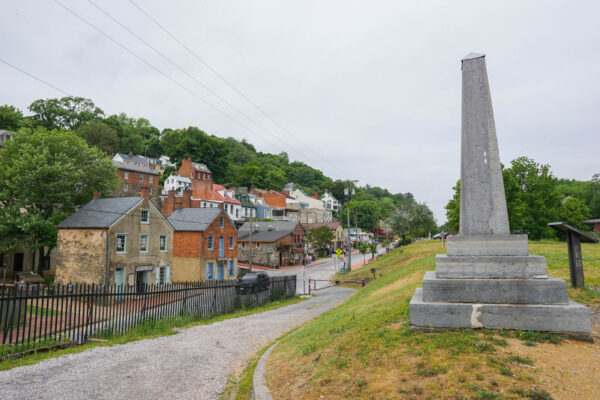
<point x="120" y="281"/>
<point x="221" y="272"/>
<point x="221" y="246"/>
<point x="18" y="262"/>
<point x="142" y="281"/>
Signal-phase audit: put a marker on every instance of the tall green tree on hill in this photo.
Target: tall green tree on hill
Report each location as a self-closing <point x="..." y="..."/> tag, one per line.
<point x="11" y="118"/>
<point x="44" y="175"/>
<point x="66" y="113"/>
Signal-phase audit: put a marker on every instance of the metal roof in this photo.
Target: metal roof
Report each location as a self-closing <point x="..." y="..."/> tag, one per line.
<point x="592" y="221"/>
<point x="265" y="236"/>
<point x="193" y="219"/>
<point x="264" y="226"/>
<point x="101" y="213"/>
<point x="135" y="168"/>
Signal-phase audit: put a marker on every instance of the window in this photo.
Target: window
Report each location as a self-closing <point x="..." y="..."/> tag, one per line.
<point x="125" y="187"/>
<point x="163" y="243"/>
<point x="210" y="242"/>
<point x="141" y="178"/>
<point x="222" y="222"/>
<point x="243" y="246"/>
<point x="231" y="242"/>
<point x="151" y="179"/>
<point x="126" y="175"/>
<point x="143" y="243"/>
<point x="237" y="212"/>
<point x="210" y="271"/>
<point x="163" y="275"/>
<point x="145" y="216"/>
<point x="121" y="243"/>
<point x="150" y="190"/>
<point x="257" y="246"/>
<point x="231" y="269"/>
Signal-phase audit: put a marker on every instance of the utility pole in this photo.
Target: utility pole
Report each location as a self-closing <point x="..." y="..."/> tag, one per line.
<point x="250" y="248"/>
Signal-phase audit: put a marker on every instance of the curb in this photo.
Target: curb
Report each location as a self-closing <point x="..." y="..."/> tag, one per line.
<point x="260" y="391"/>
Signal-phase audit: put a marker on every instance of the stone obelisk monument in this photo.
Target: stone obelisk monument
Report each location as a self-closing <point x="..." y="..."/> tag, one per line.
<point x="488" y="279"/>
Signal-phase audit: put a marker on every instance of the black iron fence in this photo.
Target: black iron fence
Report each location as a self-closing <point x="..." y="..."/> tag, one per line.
<point x="31" y="314"/>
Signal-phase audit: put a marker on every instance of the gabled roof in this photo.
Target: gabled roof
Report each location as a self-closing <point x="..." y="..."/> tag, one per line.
<point x="225" y="199"/>
<point x="134" y="168"/>
<point x="267" y="236"/>
<point x="193" y="219"/>
<point x="101" y="213"/>
<point x="592" y="221"/>
<point x="200" y="167"/>
<point x="137" y="159"/>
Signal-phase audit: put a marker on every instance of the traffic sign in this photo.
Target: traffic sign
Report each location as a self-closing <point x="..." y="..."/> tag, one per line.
<point x="339" y="252"/>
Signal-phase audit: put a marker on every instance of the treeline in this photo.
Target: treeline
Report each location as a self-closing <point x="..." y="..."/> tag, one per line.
<point x="233" y="162"/>
<point x="535" y="197"/>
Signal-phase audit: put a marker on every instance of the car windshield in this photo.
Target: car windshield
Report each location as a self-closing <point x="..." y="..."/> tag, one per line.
<point x="250" y="277"/>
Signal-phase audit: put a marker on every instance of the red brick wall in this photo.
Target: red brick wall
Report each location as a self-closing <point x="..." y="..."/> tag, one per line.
<point x="134" y="178"/>
<point x="186" y="244"/>
<point x="215" y="230"/>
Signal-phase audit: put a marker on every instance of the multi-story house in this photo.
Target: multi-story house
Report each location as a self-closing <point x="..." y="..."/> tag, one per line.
<point x="136" y="178"/>
<point x="330" y="203"/>
<point x="312" y="209"/>
<point x="115" y="241"/>
<point x="248" y="208"/>
<point x="263" y="210"/>
<point x="205" y="245"/>
<point x="274" y="244"/>
<point x="176" y="183"/>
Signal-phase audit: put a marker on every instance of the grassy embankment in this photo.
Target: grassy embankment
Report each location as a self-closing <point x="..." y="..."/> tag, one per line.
<point x="147" y="330"/>
<point x="364" y="348"/>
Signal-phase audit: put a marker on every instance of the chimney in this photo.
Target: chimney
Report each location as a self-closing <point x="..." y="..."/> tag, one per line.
<point x="97" y="194"/>
<point x="187" y="198"/>
<point x="144" y="192"/>
<point x="131" y="154"/>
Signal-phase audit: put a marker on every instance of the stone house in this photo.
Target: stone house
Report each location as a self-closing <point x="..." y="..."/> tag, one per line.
<point x="135" y="179"/>
<point x="115" y="241"/>
<point x="274" y="244"/>
<point x="205" y="245"/>
<point x="337" y="229"/>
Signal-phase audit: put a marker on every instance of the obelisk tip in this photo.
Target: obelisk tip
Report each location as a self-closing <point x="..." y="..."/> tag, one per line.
<point x="472" y="56"/>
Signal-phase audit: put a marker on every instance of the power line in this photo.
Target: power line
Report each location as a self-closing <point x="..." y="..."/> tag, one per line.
<point x="35" y="77"/>
<point x="196" y="56"/>
<point x="191" y="76"/>
<point x="194" y="94"/>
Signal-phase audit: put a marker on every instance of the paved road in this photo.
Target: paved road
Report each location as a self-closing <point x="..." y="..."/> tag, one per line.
<point x="318" y="271"/>
<point x="193" y="364"/>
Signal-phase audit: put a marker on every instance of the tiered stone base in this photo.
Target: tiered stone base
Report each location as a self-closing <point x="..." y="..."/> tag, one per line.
<point x="491" y="282"/>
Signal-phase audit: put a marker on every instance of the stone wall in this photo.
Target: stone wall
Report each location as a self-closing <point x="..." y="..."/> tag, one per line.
<point x="80" y="256"/>
<point x="266" y="255"/>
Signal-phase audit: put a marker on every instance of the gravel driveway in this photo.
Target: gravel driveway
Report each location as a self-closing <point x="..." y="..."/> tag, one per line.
<point x="192" y="364"/>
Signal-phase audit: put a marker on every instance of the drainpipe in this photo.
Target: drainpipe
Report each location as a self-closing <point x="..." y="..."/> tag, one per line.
<point x="106" y="260"/>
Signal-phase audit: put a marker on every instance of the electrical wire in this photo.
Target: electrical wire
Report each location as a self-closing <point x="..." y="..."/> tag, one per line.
<point x="35" y="77"/>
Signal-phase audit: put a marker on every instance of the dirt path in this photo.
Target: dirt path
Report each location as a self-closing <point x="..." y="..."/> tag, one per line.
<point x="193" y="364"/>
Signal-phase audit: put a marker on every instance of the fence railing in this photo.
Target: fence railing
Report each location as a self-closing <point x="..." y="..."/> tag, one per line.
<point x="31" y="314"/>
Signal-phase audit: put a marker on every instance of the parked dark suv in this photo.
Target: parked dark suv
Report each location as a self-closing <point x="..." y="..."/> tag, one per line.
<point x="252" y="282"/>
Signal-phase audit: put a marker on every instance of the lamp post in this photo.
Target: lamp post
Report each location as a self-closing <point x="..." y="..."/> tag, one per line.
<point x="348" y="192"/>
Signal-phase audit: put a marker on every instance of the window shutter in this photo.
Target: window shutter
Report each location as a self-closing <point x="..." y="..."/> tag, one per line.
<point x="157" y="275"/>
<point x="168" y="275"/>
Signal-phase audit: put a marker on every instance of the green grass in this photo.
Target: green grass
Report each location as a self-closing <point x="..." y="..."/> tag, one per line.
<point x="41" y="311"/>
<point x="367" y="339"/>
<point x="148" y="329"/>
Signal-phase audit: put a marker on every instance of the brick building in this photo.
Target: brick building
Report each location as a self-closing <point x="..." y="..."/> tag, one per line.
<point x="274" y="244"/>
<point x="136" y="178"/>
<point x="120" y="240"/>
<point x="205" y="245"/>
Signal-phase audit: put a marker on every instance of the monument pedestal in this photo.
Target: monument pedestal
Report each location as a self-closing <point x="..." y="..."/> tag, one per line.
<point x="508" y="290"/>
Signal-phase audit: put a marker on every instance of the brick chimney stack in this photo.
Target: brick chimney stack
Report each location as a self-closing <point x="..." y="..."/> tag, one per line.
<point x="144" y="192"/>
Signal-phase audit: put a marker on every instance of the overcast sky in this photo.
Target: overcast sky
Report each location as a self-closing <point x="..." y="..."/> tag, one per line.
<point x="371" y="89"/>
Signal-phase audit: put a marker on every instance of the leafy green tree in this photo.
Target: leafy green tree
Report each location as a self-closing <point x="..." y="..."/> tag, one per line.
<point x="453" y="210"/>
<point x="373" y="249"/>
<point x="416" y="219"/>
<point x="320" y="237"/>
<point x="574" y="211"/>
<point x="44" y="175"/>
<point x="11" y="118"/>
<point x="64" y="113"/>
<point x="275" y="179"/>
<point x="363" y="247"/>
<point x="100" y="135"/>
<point x="366" y="213"/>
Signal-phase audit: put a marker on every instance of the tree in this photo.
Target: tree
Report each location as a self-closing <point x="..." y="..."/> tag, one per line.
<point x="100" y="135"/>
<point x="373" y="249"/>
<point x="44" y="175"/>
<point x="453" y="210"/>
<point x="363" y="247"/>
<point x="574" y="211"/>
<point x="11" y="118"/>
<point x="320" y="237"/>
<point x="416" y="219"/>
<point x="64" y="113"/>
<point x="275" y="179"/>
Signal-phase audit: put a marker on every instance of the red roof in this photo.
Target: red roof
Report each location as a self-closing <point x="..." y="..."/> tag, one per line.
<point x="224" y="198"/>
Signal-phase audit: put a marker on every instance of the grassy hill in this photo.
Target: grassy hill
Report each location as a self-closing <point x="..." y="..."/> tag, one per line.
<point x="364" y="348"/>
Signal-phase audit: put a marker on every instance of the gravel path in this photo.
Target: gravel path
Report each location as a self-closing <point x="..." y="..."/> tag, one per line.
<point x="193" y="364"/>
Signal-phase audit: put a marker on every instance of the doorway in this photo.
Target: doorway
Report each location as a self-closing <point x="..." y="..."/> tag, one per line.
<point x="221" y="272"/>
<point x="142" y="280"/>
<point x="18" y="262"/>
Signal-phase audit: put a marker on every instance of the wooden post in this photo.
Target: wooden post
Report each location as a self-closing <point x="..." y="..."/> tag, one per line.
<point x="575" y="260"/>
